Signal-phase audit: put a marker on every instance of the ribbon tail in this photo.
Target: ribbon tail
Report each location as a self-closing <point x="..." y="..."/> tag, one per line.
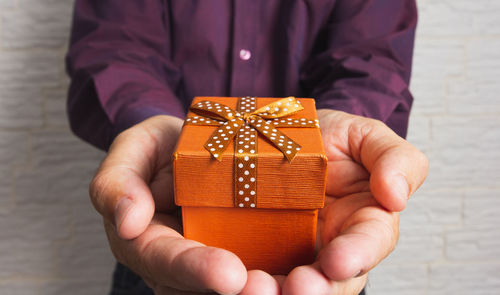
<point x="222" y="137"/>
<point x="285" y="144"/>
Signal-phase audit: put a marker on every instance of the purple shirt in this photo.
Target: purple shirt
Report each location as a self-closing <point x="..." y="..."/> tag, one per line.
<point x="130" y="60"/>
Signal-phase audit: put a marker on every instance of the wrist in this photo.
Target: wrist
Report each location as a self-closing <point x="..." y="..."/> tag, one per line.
<point x="133" y="115"/>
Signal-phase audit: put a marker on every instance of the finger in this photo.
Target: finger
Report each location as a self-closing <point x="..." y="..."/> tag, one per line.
<point x="396" y="174"/>
<point x="122" y="196"/>
<point x="165" y="259"/>
<point x="332" y="218"/>
<point x="397" y="168"/>
<point x="164" y="290"/>
<point x="346" y="177"/>
<point x="344" y="174"/>
<point x="280" y="279"/>
<point x="260" y="283"/>
<point x="309" y="279"/>
<point x="162" y="189"/>
<point x="120" y="190"/>
<point x="365" y="239"/>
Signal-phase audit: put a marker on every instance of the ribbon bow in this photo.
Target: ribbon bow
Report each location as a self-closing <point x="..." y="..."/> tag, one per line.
<point x="244" y="124"/>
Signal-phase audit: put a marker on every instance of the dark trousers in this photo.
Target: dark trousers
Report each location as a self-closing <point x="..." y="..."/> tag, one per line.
<point x="125" y="282"/>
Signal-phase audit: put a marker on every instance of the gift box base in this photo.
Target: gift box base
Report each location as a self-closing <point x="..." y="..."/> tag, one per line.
<point x="271" y="240"/>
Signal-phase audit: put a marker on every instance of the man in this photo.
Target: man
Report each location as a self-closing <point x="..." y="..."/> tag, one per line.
<point x="136" y="65"/>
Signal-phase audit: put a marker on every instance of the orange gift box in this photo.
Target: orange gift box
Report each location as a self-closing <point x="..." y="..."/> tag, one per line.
<point x="266" y="215"/>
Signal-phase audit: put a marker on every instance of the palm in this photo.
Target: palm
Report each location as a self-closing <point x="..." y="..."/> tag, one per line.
<point x="348" y="183"/>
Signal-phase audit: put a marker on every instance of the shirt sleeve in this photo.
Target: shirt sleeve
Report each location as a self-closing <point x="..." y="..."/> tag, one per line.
<point x="118" y="62"/>
<point x="363" y="62"/>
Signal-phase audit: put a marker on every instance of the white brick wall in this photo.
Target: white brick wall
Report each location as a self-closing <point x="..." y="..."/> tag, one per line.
<point x="51" y="241"/>
<point x="450" y="238"/>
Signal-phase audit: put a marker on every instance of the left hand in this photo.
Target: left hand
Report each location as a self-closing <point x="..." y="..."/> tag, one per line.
<point x="371" y="174"/>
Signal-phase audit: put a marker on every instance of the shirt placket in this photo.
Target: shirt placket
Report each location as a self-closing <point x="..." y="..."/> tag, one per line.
<point x="244" y="48"/>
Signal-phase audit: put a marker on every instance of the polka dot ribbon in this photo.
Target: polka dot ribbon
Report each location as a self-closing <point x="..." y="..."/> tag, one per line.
<point x="243" y="126"/>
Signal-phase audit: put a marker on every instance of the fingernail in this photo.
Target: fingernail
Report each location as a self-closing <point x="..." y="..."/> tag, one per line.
<point x="401" y="186"/>
<point x="122" y="208"/>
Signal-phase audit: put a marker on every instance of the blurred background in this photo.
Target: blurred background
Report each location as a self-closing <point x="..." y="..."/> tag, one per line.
<point x="52" y="242"/>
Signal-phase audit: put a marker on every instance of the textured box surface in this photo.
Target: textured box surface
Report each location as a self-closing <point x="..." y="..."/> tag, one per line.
<point x="280" y="232"/>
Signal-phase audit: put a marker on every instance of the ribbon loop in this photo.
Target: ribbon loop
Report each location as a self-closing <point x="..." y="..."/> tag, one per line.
<point x="202" y="121"/>
<point x="281" y="108"/>
<point x="213" y="110"/>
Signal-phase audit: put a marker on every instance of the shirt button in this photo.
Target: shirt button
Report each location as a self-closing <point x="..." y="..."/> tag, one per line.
<point x="245" y="54"/>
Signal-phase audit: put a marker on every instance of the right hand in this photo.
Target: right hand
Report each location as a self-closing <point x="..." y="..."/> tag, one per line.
<point x="133" y="191"/>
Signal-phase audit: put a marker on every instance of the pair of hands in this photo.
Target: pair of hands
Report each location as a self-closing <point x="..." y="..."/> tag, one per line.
<point x="371" y="174"/>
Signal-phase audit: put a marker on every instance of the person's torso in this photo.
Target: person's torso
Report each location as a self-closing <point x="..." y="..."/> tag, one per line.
<point x="239" y="48"/>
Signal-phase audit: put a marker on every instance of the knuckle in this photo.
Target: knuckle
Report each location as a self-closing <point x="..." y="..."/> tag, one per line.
<point x="373" y="124"/>
<point x="367" y="127"/>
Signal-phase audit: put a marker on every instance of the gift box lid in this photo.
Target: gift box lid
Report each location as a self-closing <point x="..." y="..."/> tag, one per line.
<point x="202" y="181"/>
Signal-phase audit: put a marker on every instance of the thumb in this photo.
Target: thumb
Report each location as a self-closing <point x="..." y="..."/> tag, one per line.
<point x="123" y="198"/>
<point x="120" y="189"/>
<point x="396" y="167"/>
